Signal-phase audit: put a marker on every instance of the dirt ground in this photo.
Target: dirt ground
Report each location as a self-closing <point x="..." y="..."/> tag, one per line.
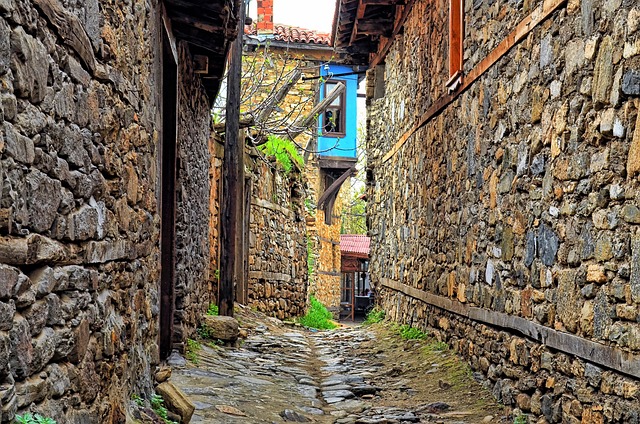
<point x="425" y="372"/>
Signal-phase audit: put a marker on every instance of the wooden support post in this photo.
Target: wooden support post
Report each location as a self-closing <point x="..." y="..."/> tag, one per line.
<point x="233" y="179"/>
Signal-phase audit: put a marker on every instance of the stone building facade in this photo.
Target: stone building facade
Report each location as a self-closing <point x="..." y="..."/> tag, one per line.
<point x="503" y="194"/>
<point x="93" y="97"/>
<point x="272" y="52"/>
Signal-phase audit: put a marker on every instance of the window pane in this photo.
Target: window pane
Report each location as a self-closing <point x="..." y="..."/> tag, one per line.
<point x="329" y="88"/>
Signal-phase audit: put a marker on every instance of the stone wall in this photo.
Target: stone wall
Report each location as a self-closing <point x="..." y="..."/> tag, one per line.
<point x="520" y="198"/>
<point x="79" y="218"/>
<point x="278" y="282"/>
<point x="192" y="202"/>
<point x="325" y="285"/>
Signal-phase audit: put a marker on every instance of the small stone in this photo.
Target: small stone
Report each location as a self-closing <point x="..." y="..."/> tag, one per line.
<point x="176" y="401"/>
<point x="603" y="71"/>
<point x="547" y="245"/>
<point x="293" y="416"/>
<point x="633" y="160"/>
<point x="630" y="213"/>
<point x="588" y="291"/>
<point x="631" y="83"/>
<point x="596" y="274"/>
<point x="163" y="374"/>
<point x="437" y="407"/>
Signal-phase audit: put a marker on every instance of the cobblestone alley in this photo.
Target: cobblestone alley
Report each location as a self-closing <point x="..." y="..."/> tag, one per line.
<point x="353" y="374"/>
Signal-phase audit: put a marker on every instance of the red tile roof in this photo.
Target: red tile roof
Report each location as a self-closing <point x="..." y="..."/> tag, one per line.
<point x="292" y="34"/>
<point x="354" y="243"/>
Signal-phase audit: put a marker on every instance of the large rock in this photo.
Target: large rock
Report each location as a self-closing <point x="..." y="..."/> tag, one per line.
<point x="176" y="401"/>
<point x="30" y="65"/>
<point x="221" y="327"/>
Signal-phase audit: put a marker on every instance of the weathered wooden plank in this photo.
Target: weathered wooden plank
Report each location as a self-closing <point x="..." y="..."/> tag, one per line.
<point x="607" y="356"/>
<point x="523" y="29"/>
<point x="265" y="204"/>
<point x="231" y="242"/>
<point x="269" y="276"/>
<point x="70" y="29"/>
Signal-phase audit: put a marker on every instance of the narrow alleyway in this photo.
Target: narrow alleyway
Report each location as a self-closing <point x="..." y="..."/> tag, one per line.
<point x="354" y="374"/>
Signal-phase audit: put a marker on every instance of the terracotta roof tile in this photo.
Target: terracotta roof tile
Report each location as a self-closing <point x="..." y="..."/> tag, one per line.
<point x="354" y="243"/>
<point x="293" y="34"/>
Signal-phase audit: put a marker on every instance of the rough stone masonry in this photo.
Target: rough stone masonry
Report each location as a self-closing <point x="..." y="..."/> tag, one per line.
<point x="79" y="215"/>
<point x="514" y="212"/>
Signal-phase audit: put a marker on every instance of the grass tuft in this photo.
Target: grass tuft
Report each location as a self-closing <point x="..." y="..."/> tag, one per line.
<point x="521" y="419"/>
<point x="192" y="349"/>
<point x="374" y="316"/>
<point x="411" y="333"/>
<point x="318" y="316"/>
<point x="213" y="309"/>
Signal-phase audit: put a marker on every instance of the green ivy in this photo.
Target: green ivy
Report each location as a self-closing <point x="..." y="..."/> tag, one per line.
<point x="284" y="151"/>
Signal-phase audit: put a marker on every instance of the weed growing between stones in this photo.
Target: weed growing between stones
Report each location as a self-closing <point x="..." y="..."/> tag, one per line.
<point x="520" y="419"/>
<point x="411" y="333"/>
<point x="34" y="419"/>
<point x="436" y="347"/>
<point x="213" y="309"/>
<point x="157" y="404"/>
<point x="191" y="352"/>
<point x="318" y="316"/>
<point x="374" y="316"/>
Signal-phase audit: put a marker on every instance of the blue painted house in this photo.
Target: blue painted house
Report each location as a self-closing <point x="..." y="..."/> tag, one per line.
<point x="338" y="125"/>
<point x="338" y="130"/>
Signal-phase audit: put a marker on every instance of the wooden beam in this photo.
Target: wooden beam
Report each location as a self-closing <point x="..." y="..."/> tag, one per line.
<point x="523" y="29"/>
<point x="375" y="27"/>
<point x="610" y="357"/>
<point x="360" y="11"/>
<point x="333" y="188"/>
<point x="232" y="242"/>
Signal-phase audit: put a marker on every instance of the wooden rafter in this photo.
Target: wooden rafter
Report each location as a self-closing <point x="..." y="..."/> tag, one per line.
<point x="362" y="8"/>
<point x="401" y="17"/>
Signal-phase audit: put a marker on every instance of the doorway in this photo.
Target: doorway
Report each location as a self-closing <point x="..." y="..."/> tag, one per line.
<point x="168" y="152"/>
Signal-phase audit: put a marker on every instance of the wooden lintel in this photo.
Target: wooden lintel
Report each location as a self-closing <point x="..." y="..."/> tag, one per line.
<point x="521" y="31"/>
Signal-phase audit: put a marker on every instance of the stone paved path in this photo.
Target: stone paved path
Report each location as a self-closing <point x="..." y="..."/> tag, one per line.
<point x="286" y="374"/>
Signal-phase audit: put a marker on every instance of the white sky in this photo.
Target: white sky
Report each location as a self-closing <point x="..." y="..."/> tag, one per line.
<point x="309" y="14"/>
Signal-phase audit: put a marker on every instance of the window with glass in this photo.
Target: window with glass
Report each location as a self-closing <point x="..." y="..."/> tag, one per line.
<point x="334" y="115"/>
